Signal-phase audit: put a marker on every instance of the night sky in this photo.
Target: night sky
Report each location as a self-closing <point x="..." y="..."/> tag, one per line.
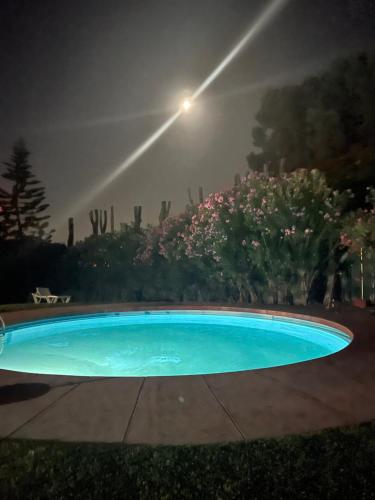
<point x="86" y="81"/>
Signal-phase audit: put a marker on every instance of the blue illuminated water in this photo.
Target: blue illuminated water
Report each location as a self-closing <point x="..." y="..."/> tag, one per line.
<point x="164" y="343"/>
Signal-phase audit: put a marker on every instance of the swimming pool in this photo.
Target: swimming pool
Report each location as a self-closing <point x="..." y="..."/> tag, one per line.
<point x="164" y="343"/>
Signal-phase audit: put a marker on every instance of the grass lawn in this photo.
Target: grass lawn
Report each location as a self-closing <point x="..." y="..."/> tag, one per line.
<point x="335" y="464"/>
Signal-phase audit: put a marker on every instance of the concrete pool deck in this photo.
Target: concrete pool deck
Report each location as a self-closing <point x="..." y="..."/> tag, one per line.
<point x="327" y="392"/>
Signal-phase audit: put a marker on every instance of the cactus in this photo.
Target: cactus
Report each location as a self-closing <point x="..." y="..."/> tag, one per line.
<point x="99" y="220"/>
<point x="200" y="194"/>
<point x="137" y="217"/>
<point x="70" y="232"/>
<point x="164" y="211"/>
<point x="94" y="219"/>
<point x="112" y="219"/>
<point x="190" y="198"/>
<point x="103" y="219"/>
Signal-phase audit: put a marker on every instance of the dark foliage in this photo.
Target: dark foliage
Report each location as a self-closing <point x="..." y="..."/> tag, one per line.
<point x="28" y="263"/>
<point x="326" y="122"/>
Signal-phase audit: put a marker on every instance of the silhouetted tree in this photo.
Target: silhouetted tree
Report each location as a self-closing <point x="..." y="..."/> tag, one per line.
<point x="4" y="213"/>
<point x="24" y="205"/>
<point x="320" y="119"/>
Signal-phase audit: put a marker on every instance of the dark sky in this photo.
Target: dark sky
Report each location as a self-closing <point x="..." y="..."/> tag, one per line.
<point x="86" y="81"/>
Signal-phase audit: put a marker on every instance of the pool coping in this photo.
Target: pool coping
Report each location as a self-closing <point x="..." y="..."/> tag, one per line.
<point x="193" y="409"/>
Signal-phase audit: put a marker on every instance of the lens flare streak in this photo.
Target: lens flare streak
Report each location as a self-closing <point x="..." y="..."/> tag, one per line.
<point x="267" y="15"/>
<point x="126" y="164"/>
<point x="139" y="151"/>
<point x="263" y="20"/>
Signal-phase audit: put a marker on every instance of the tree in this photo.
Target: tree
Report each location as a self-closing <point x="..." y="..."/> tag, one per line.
<point x="23" y="207"/>
<point x="4" y="213"/>
<point x="324" y="138"/>
<point x="320" y="119"/>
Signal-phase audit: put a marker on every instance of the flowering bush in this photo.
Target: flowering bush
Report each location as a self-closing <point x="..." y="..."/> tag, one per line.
<point x="295" y="220"/>
<point x="358" y="231"/>
<point x="215" y="235"/>
<point x="358" y="238"/>
<point x="265" y="239"/>
<point x="175" y="275"/>
<point x="270" y="235"/>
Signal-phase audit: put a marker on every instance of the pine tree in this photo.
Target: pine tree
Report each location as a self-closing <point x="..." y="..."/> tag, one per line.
<point x="23" y="207"/>
<point x="4" y="213"/>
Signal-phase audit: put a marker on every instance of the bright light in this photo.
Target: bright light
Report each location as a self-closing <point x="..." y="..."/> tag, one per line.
<point x="186" y="104"/>
<point x="267" y="15"/>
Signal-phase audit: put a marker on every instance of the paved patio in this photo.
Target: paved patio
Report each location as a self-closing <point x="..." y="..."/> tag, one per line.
<point x="328" y="392"/>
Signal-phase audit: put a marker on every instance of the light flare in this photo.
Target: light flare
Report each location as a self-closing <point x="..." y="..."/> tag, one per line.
<point x="103" y="121"/>
<point x="267" y="15"/>
<point x="84" y="201"/>
<point x="186" y="104"/>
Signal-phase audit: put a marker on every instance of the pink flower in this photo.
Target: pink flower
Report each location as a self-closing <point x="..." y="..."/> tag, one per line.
<point x="345" y="240"/>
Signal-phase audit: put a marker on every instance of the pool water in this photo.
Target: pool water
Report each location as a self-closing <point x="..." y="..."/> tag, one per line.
<point x="164" y="343"/>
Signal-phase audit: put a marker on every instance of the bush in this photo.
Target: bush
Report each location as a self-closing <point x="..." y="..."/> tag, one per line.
<point x="269" y="236"/>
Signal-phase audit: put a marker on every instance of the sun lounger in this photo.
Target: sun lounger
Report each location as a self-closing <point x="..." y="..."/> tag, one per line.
<point x="44" y="295"/>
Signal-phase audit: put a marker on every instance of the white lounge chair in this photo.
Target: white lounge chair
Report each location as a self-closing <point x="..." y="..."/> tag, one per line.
<point x="44" y="294"/>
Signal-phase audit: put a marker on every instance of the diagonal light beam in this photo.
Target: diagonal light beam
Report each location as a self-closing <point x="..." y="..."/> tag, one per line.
<point x="129" y="161"/>
<point x="265" y="18"/>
